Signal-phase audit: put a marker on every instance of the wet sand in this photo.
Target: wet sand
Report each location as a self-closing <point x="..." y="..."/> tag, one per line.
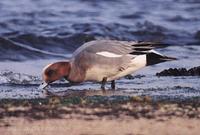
<point x="99" y="115"/>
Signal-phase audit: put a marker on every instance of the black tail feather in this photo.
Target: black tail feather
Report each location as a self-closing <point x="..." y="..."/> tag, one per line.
<point x="154" y="58"/>
<point x="151" y="44"/>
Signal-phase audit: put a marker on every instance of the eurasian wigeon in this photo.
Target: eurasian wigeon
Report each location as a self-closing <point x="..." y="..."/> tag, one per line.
<point x="102" y="61"/>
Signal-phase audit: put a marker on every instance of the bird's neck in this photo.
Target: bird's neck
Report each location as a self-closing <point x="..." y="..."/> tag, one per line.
<point x="76" y="74"/>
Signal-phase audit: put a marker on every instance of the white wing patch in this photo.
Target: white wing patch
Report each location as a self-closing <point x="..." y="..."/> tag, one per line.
<point x="108" y="54"/>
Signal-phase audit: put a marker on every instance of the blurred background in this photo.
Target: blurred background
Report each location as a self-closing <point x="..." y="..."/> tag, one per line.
<point x="60" y="26"/>
<point x="34" y="33"/>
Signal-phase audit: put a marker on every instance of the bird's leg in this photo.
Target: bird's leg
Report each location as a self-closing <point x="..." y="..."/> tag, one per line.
<point x="103" y="83"/>
<point x="113" y="84"/>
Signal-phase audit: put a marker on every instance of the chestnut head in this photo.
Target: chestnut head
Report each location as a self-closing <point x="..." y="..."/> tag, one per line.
<point x="54" y="71"/>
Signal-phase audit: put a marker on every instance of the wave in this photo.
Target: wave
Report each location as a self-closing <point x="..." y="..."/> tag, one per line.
<point x="9" y="77"/>
<point x="49" y="23"/>
<point x="30" y="46"/>
<point x="18" y="47"/>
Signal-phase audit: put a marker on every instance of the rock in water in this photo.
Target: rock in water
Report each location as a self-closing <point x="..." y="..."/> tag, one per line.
<point x="195" y="71"/>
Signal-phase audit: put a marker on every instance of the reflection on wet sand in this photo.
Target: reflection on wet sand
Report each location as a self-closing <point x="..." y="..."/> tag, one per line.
<point x="85" y="93"/>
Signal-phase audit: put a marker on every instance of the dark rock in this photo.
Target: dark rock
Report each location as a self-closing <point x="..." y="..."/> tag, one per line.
<point x="195" y="71"/>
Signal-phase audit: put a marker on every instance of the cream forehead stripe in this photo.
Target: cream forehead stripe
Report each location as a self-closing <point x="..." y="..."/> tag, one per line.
<point x="108" y="54"/>
<point x="47" y="66"/>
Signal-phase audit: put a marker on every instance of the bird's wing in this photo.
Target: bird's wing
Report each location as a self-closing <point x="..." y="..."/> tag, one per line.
<point x="110" y="54"/>
<point x="116" y="47"/>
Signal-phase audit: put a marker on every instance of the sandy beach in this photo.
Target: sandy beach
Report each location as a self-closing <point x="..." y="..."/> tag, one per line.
<point x="74" y="116"/>
<point x="95" y="126"/>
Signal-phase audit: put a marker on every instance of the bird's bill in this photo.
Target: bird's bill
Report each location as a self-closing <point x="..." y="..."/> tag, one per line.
<point x="43" y="85"/>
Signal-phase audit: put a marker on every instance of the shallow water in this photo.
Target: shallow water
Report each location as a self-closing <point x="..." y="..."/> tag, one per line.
<point x="25" y="78"/>
<point x="34" y="33"/>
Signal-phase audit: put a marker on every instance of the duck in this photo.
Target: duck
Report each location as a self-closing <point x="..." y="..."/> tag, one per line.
<point x="104" y="61"/>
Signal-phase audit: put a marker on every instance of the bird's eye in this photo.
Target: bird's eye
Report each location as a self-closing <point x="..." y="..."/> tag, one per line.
<point x="50" y="72"/>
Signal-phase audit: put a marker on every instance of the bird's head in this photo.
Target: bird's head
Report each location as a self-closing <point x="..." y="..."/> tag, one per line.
<point x="54" y="71"/>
